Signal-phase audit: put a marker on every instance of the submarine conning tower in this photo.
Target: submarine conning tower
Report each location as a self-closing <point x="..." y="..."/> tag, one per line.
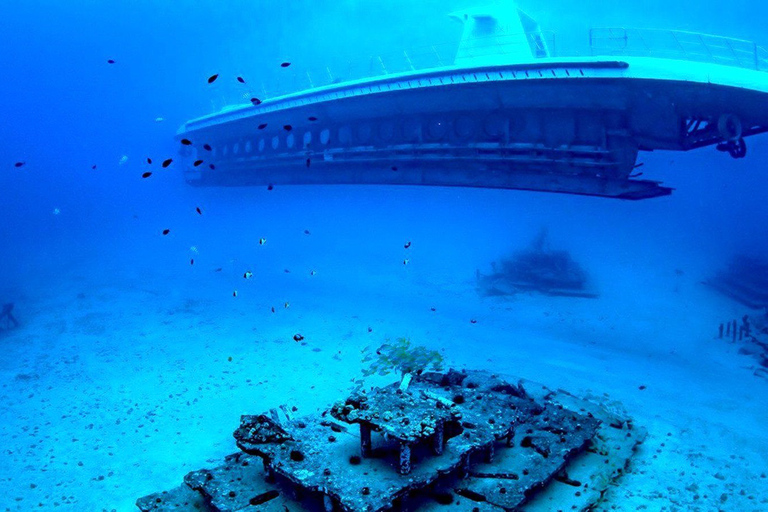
<point x="502" y="107"/>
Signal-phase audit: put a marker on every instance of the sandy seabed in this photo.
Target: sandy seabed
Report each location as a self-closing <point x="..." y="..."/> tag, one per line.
<point x="115" y="388"/>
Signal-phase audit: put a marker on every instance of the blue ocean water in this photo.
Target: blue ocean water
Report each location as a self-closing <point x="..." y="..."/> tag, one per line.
<point x="131" y="367"/>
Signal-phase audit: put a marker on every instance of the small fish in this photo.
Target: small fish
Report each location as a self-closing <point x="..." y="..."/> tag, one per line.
<point x="641" y="387"/>
<point x="287" y="127"/>
<point x="312" y="272"/>
<point x="93" y="167"/>
<point x="298" y="337"/>
<point x="273" y="309"/>
<point x="213" y="78"/>
<point x="234" y="293"/>
<point x="306" y="232"/>
<point x="473" y="321"/>
<point x="286" y="271"/>
<point x="186" y="142"/>
<point x="123" y="159"/>
<point x="146" y="174"/>
<point x="407" y="244"/>
<point x="406" y="261"/>
<point x="262" y="126"/>
<point x="218" y="269"/>
<point x="197" y="162"/>
<point x="56" y="211"/>
<point x="285" y="64"/>
<point x="159" y="119"/>
<point x="241" y="80"/>
<point x="19" y="164"/>
<point x="211" y="167"/>
<point x="167" y="162"/>
<point x="308" y="160"/>
<point x="394" y="167"/>
<point x="370" y="329"/>
<point x="149" y="161"/>
<point x="198" y="210"/>
<point x="248" y="274"/>
<point x="270" y="187"/>
<point x="312" y="118"/>
<point x="256" y="101"/>
<point x="262" y="241"/>
<point x="166" y="231"/>
<point x="110" y="61"/>
<point x="207" y="147"/>
<point x="192" y="261"/>
<point x="432" y="309"/>
<point x="194" y="249"/>
<point x="287" y="305"/>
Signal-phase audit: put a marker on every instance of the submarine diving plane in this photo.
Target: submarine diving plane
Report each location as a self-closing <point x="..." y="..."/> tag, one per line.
<point x="510" y="110"/>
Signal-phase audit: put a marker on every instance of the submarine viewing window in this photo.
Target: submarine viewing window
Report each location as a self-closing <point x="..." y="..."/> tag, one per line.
<point x="289" y="140"/>
<point x="345" y="134"/>
<point x="275" y="142"/>
<point x="364" y="132"/>
<point x="325" y="136"/>
<point x="224" y="150"/>
<point x="261" y="145"/>
<point x="307" y="139"/>
<point x="248" y="147"/>
<point x="236" y="148"/>
<point x="437" y="129"/>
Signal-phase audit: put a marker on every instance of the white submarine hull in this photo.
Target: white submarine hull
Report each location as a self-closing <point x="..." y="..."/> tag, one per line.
<point x="558" y="125"/>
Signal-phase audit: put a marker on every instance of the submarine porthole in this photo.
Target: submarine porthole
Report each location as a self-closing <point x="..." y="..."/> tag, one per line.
<point x="275" y="142"/>
<point x="289" y="140"/>
<point x="364" y="133"/>
<point x="345" y="135"/>
<point x="261" y="145"/>
<point x="412" y="130"/>
<point x="307" y="138"/>
<point x="437" y="129"/>
<point x="325" y="136"/>
<point x="464" y="127"/>
<point x="236" y="148"/>
<point x="248" y="146"/>
<point x="386" y="131"/>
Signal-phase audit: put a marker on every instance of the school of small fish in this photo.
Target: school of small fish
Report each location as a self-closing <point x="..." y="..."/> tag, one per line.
<point x="186" y="142"/>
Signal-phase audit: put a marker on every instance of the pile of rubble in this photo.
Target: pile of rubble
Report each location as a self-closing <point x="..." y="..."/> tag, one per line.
<point x="466" y="438"/>
<point x="536" y="269"/>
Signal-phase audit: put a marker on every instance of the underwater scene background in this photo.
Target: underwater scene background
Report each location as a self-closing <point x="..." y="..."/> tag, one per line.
<point x="130" y="367"/>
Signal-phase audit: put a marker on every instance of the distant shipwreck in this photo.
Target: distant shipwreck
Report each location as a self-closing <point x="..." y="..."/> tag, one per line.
<point x="537" y="269"/>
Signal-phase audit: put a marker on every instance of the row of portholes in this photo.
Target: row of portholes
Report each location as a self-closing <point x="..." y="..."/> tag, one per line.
<point x="274" y="142"/>
<point x="411" y="130"/>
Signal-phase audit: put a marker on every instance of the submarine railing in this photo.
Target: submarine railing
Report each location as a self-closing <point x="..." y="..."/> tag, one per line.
<point x="608" y="41"/>
<point x="678" y="44"/>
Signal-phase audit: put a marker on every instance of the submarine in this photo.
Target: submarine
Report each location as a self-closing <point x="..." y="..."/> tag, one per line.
<point x="510" y="109"/>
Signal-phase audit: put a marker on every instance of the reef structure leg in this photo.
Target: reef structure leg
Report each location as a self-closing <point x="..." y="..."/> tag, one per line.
<point x="438" y="439"/>
<point x="365" y="440"/>
<point x="405" y="458"/>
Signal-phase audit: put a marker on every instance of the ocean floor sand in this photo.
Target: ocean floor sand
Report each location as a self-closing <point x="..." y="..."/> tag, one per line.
<point x="113" y="392"/>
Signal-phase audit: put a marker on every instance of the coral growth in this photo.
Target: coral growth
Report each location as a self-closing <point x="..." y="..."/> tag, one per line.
<point x="402" y="357"/>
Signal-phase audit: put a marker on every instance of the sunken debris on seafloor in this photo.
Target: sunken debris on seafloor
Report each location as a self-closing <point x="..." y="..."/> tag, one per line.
<point x="538" y="269"/>
<point x="470" y="439"/>
<point x="745" y="280"/>
<point x="751" y="334"/>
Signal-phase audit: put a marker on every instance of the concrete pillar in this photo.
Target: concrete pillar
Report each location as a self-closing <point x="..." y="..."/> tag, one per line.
<point x="365" y="440"/>
<point x="437" y="440"/>
<point x="405" y="458"/>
